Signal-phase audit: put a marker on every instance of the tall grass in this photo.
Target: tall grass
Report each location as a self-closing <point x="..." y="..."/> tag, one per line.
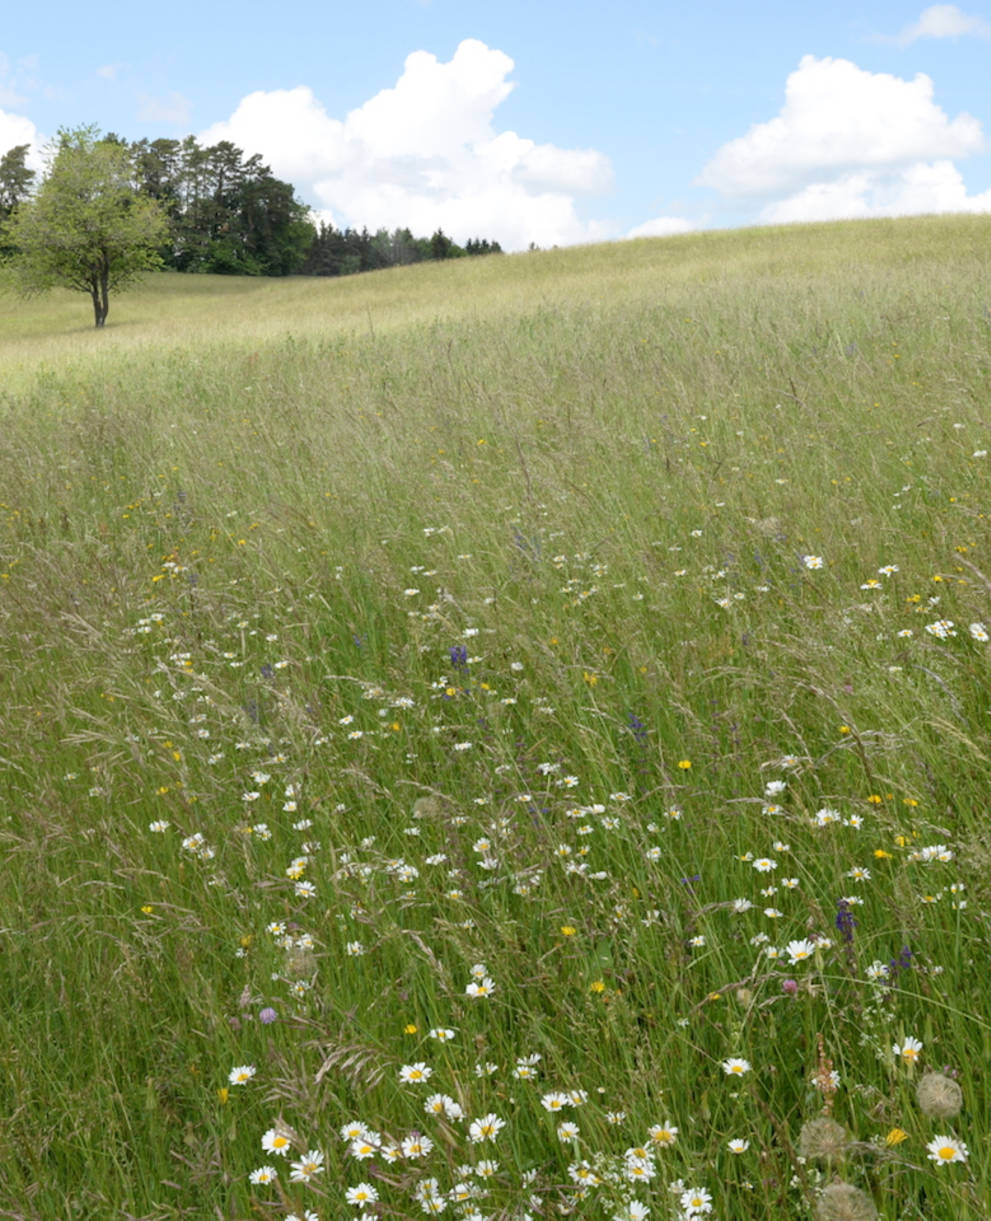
<point x="581" y="652"/>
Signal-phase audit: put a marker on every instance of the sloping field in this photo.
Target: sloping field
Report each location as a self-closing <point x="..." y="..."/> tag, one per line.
<point x="503" y="739"/>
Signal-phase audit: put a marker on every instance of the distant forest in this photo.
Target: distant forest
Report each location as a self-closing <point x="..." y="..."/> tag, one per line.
<point x="229" y="215"/>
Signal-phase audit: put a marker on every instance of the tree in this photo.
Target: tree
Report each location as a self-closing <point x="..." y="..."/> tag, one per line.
<point x="87" y="228"/>
<point x="15" y="184"/>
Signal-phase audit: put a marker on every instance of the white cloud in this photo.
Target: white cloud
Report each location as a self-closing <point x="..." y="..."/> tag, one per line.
<point x="15" y="130"/>
<point x="425" y="154"/>
<point x="108" y="72"/>
<point x="944" y="21"/>
<point x="925" y="187"/>
<point x="172" y="109"/>
<point x="663" y="226"/>
<point x="837" y="120"/>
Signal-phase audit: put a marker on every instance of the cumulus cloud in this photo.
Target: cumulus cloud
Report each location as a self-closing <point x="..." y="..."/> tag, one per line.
<point x="837" y="120"/>
<point x="425" y="153"/>
<point x="663" y="226"/>
<point x="15" y="130"/>
<point x="925" y="187"/>
<point x="943" y="21"/>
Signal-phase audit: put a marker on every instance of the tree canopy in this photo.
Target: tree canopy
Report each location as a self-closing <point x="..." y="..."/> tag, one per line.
<point x="108" y="210"/>
<point x="87" y="228"/>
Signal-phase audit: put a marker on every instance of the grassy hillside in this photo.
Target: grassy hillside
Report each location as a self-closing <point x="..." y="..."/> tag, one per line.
<point x="503" y="738"/>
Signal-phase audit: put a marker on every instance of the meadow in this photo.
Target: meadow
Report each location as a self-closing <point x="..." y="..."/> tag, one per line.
<point x="503" y="739"/>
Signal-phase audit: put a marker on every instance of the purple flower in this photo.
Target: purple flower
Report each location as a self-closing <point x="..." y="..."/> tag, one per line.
<point x="267" y="1016"/>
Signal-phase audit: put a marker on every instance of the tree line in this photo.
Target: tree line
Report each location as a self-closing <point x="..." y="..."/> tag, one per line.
<point x="227" y="213"/>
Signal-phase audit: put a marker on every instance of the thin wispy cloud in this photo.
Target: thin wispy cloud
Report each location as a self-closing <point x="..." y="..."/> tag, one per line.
<point x="942" y="21"/>
<point x="174" y="108"/>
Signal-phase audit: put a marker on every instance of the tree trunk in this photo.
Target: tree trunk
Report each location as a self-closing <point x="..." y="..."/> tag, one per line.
<point x="98" y="315"/>
<point x="104" y="294"/>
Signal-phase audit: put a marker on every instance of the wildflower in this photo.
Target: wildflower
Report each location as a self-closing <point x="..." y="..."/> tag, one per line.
<point x="735" y="1067"/>
<point x="979" y="632"/>
<point x="307" y="1167"/>
<point x="799" y="950"/>
<point x="942" y="628"/>
<point x="696" y="1201"/>
<point x="634" y="1211"/>
<point x="895" y="1137"/>
<point x="568" y="1131"/>
<point x="738" y="1146"/>
<point x="765" y="864"/>
<point x="813" y="561"/>
<point x="275" y="1141"/>
<point x="442" y="1034"/>
<point x="415" y="1074"/>
<point x="663" y="1134"/>
<point x="909" y="1050"/>
<point x="943" y="1149"/>
<point x="478" y="989"/>
<point x="242" y="1074"/>
<point x="939" y="1096"/>
<point x="264" y="1174"/>
<point x="555" y="1101"/>
<point x="639" y="1169"/>
<point x="364" y="1193"/>
<point x="415" y="1146"/>
<point x="443" y="1104"/>
<point x="486" y="1128"/>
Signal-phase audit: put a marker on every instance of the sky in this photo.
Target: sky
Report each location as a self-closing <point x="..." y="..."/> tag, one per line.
<point x="544" y="122"/>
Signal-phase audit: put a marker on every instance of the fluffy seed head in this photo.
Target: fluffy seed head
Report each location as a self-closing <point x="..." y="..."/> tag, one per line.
<point x="844" y="1202"/>
<point x="938" y="1096"/>
<point x="823" y="1139"/>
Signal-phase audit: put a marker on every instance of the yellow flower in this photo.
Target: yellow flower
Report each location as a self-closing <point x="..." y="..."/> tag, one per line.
<point x="568" y="930"/>
<point x="597" y="985"/>
<point x="223" y="1094"/>
<point x="875" y="799"/>
<point x="685" y="764"/>
<point x="147" y="909"/>
<point x="409" y="1028"/>
<point x="881" y="854"/>
<point x="844" y="729"/>
<point x="895" y="1137"/>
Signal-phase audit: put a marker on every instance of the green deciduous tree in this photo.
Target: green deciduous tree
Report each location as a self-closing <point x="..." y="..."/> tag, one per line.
<point x="87" y="228"/>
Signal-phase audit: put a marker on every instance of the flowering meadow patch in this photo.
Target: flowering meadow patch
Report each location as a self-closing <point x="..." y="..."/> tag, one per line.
<point x="591" y="823"/>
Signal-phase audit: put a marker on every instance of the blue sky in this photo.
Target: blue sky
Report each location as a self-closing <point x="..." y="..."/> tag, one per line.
<point x="541" y="122"/>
